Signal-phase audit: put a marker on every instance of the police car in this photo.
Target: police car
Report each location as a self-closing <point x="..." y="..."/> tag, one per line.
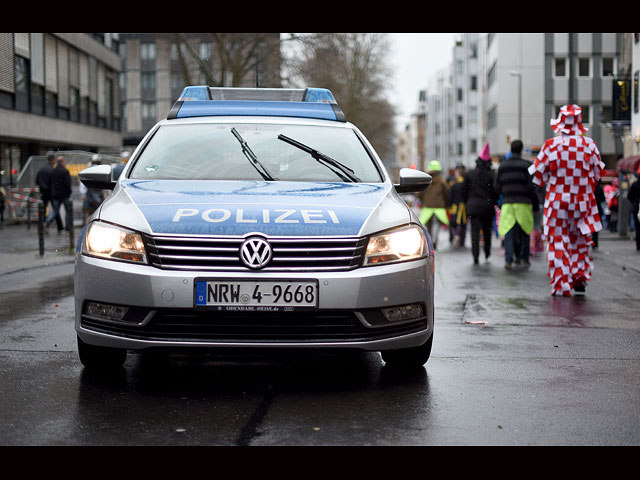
<point x="254" y="218"/>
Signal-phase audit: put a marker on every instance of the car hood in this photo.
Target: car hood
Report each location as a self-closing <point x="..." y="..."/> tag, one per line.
<point x="242" y="207"/>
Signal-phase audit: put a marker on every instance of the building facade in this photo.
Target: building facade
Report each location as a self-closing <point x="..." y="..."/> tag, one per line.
<point x="454" y="125"/>
<point x="58" y="91"/>
<point x="157" y="66"/>
<point x="503" y="86"/>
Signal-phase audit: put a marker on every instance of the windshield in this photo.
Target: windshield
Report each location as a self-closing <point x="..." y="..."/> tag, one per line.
<point x="215" y="152"/>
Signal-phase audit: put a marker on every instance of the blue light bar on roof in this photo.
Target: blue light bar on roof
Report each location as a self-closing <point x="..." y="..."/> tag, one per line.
<point x="201" y="101"/>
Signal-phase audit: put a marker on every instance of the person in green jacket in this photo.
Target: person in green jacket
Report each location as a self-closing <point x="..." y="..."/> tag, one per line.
<point x="519" y="200"/>
<point x="434" y="202"/>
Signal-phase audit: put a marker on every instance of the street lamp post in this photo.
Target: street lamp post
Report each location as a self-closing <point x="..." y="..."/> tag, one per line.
<point x="519" y="76"/>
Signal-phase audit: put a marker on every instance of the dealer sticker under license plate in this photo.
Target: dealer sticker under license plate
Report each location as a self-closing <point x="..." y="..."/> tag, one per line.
<point x="268" y="295"/>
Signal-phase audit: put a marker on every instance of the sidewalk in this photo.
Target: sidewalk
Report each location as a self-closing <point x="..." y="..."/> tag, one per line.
<point x="618" y="249"/>
<point x="20" y="248"/>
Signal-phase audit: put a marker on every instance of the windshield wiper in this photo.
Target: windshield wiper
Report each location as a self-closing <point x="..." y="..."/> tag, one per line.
<point x="344" y="172"/>
<point x="262" y="170"/>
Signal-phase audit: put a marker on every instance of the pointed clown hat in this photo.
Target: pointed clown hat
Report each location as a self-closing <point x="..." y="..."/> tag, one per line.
<point x="569" y="121"/>
<point x="485" y="154"/>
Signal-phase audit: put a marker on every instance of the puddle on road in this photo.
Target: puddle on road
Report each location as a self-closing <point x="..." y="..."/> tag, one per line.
<point x="575" y="311"/>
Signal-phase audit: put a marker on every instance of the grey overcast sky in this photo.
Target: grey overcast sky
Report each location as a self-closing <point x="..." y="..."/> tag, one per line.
<point x="415" y="58"/>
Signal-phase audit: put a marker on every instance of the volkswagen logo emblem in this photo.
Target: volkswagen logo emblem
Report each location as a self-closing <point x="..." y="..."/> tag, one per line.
<point x="255" y="252"/>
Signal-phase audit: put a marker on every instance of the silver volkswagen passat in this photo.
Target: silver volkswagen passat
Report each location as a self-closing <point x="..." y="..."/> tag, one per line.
<point x="254" y="218"/>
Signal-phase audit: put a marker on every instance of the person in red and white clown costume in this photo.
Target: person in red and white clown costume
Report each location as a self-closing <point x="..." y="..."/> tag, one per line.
<point x="569" y="166"/>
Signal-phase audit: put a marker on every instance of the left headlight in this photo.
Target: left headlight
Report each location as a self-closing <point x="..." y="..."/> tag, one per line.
<point x="399" y="245"/>
<point x="115" y="243"/>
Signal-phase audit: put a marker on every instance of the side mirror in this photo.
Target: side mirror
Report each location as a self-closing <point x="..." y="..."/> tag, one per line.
<point x="97" y="176"/>
<point x="412" y="181"/>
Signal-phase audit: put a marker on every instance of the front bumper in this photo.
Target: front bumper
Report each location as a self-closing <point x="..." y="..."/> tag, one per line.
<point x="162" y="313"/>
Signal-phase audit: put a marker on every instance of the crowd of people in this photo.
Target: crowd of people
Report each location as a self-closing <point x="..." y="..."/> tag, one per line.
<point x="558" y="198"/>
<point x="55" y="187"/>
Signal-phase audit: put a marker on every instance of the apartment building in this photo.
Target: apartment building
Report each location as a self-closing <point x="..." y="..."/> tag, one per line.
<point x="453" y="114"/>
<point x="157" y="66"/>
<point x="529" y="76"/>
<point x="58" y="91"/>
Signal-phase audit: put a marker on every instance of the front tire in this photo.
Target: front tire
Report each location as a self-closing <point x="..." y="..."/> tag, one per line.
<point x="100" y="358"/>
<point x="408" y="358"/>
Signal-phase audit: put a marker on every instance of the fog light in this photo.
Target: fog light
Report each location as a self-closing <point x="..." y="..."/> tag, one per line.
<point x="404" y="312"/>
<point x="106" y="311"/>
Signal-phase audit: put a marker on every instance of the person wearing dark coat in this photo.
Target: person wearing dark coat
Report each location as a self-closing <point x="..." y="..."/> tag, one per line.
<point x="480" y="201"/>
<point x="60" y="193"/>
<point x="634" y="197"/>
<point x="600" y="200"/>
<point x="457" y="210"/>
<point x="43" y="181"/>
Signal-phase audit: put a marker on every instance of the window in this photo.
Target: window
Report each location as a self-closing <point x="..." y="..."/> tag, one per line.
<point x="491" y="76"/>
<point x="607" y="67"/>
<point x="459" y="145"/>
<point x="473" y="50"/>
<point x="492" y="118"/>
<point x="607" y="114"/>
<point x="636" y="78"/>
<point x="584" y="67"/>
<point x="560" y="67"/>
<point x="459" y="121"/>
<point x="474" y="83"/>
<point x="211" y="152"/>
<point x="22" y="87"/>
<point x="148" y="110"/>
<point x="473" y="145"/>
<point x="148" y="80"/>
<point x="459" y="94"/>
<point x="205" y="51"/>
<point x="148" y="51"/>
<point x="74" y="104"/>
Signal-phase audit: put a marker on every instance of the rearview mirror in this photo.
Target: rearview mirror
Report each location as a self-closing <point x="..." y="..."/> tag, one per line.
<point x="97" y="176"/>
<point x="412" y="180"/>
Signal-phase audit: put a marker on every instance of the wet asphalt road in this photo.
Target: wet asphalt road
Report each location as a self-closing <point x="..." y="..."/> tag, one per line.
<point x="510" y="366"/>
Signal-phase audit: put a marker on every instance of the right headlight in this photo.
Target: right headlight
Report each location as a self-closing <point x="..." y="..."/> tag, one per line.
<point x="115" y="243"/>
<point x="398" y="245"/>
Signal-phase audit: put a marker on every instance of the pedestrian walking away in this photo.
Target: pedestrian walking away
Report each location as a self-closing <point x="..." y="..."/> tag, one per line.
<point x="43" y="181"/>
<point x="60" y="193"/>
<point x="519" y="200"/>
<point x="600" y="201"/>
<point x="569" y="165"/>
<point x="480" y="201"/>
<point x="634" y="198"/>
<point x="457" y="209"/>
<point x="3" y="196"/>
<point x="434" y="203"/>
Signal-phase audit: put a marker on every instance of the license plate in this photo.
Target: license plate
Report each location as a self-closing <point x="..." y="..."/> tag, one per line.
<point x="252" y="295"/>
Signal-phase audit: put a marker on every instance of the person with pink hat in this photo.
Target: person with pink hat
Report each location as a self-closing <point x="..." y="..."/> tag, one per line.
<point x="480" y="200"/>
<point x="570" y="166"/>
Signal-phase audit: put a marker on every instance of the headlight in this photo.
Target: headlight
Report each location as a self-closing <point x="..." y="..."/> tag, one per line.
<point x="402" y="244"/>
<point x="115" y="243"/>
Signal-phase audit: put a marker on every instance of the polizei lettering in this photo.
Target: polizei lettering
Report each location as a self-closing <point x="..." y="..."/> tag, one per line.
<point x="264" y="216"/>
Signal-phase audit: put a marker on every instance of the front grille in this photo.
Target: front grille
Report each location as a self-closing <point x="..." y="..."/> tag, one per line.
<point x="173" y="252"/>
<point x="190" y="326"/>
